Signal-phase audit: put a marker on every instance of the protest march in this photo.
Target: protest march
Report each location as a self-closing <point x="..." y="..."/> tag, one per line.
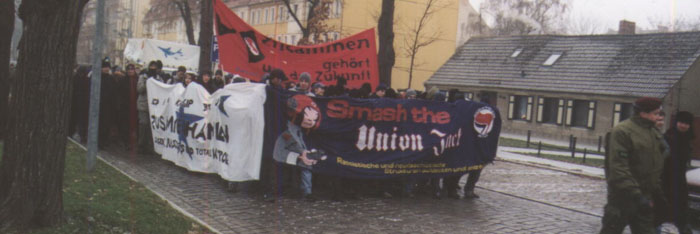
<point x="273" y="111"/>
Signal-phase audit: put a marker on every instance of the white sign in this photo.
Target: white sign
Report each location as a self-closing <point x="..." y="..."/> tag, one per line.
<point x="220" y="133"/>
<point x="173" y="55"/>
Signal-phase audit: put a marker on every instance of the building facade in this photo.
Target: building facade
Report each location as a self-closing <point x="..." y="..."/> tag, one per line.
<point x="449" y="24"/>
<point x="580" y="86"/>
<point x="122" y="21"/>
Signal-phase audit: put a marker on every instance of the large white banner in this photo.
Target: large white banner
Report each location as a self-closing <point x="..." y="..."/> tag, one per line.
<point x="220" y="133"/>
<point x="172" y="54"/>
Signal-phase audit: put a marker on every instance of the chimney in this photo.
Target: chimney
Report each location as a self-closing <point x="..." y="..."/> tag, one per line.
<point x="626" y="27"/>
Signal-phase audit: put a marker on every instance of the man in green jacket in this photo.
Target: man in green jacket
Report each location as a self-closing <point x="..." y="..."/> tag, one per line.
<point x="634" y="162"/>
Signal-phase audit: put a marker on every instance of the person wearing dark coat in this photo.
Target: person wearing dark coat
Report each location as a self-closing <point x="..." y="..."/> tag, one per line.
<point x="673" y="179"/>
<point x="107" y="107"/>
<point x="206" y="82"/>
<point x="81" y="103"/>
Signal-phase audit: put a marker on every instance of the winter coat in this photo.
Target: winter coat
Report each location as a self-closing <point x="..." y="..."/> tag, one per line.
<point x="635" y="160"/>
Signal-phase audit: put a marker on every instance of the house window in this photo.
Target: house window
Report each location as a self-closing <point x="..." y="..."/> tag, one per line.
<point x="580" y="113"/>
<point x="550" y="110"/>
<point x="338" y="7"/>
<point x="267" y="16"/>
<point x="552" y="59"/>
<point x="293" y="41"/>
<point x="621" y="112"/>
<point x="272" y="15"/>
<point x="520" y="107"/>
<point x="516" y="52"/>
<point x="468" y="96"/>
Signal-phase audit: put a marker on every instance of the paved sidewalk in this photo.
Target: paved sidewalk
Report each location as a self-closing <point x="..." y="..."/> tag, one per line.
<point x="205" y="197"/>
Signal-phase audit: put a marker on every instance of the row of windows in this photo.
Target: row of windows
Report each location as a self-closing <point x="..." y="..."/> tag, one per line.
<point x="293" y="39"/>
<point x="281" y="14"/>
<point x="570" y="112"/>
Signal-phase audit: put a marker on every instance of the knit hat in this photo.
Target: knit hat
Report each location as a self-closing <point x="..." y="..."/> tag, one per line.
<point x="380" y="87"/>
<point x="106" y="62"/>
<point x="647" y="104"/>
<point x="305" y="76"/>
<point x="685" y="117"/>
<point x="318" y="85"/>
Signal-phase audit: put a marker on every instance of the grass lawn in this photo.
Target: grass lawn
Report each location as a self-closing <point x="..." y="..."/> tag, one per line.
<point x="589" y="161"/>
<point x="533" y="145"/>
<point x="106" y="201"/>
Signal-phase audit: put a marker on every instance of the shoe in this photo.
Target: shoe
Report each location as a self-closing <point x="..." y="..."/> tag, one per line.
<point x="309" y="198"/>
<point x="470" y="195"/>
<point x="453" y="196"/>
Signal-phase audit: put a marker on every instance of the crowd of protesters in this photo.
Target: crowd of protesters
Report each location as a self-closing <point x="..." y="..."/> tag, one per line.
<point x="125" y="122"/>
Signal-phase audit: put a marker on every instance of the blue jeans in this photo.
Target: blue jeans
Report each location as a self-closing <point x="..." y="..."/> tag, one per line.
<point x="305" y="181"/>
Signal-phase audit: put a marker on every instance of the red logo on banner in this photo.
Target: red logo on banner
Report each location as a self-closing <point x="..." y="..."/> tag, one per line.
<point x="353" y="58"/>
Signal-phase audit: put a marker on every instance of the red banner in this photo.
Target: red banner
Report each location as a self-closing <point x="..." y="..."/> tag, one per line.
<point x="245" y="51"/>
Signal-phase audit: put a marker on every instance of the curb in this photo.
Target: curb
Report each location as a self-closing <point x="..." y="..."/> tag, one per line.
<point x="172" y="204"/>
<point x="549" y="167"/>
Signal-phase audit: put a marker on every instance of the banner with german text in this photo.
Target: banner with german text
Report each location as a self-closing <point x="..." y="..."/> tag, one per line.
<point x="379" y="138"/>
<point x="245" y="51"/>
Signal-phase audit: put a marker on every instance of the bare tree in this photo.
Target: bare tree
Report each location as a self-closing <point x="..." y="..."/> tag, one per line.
<point x="315" y="24"/>
<point x="583" y="25"/>
<point x="514" y="17"/>
<point x="418" y="38"/>
<point x="186" y="14"/>
<point x="7" y="26"/>
<point x="31" y="171"/>
<point x="169" y="12"/>
<point x="680" y="24"/>
<point x="386" y="55"/>
<point x="206" y="33"/>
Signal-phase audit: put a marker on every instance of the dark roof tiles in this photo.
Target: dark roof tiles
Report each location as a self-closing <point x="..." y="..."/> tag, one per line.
<point x="627" y="65"/>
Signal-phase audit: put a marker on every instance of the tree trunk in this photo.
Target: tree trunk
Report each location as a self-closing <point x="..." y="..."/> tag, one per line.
<point x="206" y="31"/>
<point x="31" y="172"/>
<point x="7" y="26"/>
<point x="186" y="13"/>
<point x="387" y="56"/>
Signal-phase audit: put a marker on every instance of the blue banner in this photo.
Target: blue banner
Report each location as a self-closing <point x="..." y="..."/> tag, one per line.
<point x="380" y="138"/>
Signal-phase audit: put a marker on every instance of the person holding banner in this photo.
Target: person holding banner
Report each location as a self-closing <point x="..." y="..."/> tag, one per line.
<point x="291" y="146"/>
<point x="145" y="142"/>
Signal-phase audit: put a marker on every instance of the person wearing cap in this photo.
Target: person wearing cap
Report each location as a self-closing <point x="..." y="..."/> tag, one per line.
<point x="304" y="83"/>
<point x="379" y="92"/>
<point x="674" y="182"/>
<point x="633" y="165"/>
<point x="318" y="89"/>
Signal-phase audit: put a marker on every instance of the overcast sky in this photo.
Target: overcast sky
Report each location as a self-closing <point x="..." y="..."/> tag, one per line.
<point x="608" y="13"/>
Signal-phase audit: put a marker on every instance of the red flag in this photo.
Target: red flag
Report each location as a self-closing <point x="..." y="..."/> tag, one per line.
<point x="245" y="51"/>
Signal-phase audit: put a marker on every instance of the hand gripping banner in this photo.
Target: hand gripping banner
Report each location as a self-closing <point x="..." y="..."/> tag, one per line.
<point x="219" y="133"/>
<point x="245" y="51"/>
<point x="379" y="138"/>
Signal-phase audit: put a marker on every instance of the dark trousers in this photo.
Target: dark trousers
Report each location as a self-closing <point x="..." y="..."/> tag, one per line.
<point x="451" y="183"/>
<point x="620" y="212"/>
